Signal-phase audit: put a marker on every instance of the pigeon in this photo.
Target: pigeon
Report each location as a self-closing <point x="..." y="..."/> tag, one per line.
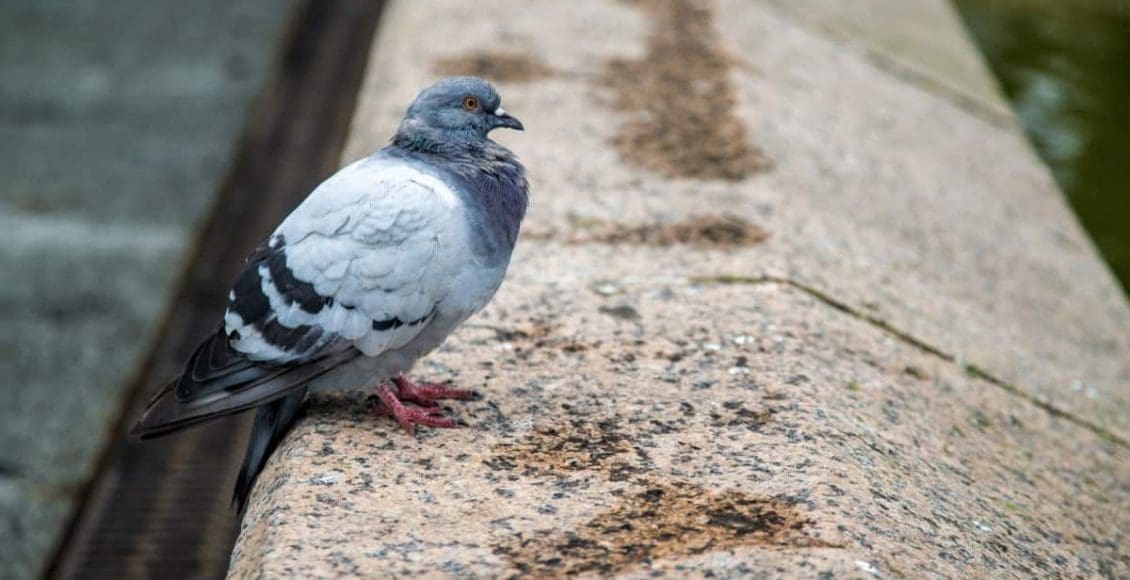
<point x="372" y="271"/>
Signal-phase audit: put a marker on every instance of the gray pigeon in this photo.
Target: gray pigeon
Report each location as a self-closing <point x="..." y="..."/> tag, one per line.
<point x="371" y="272"/>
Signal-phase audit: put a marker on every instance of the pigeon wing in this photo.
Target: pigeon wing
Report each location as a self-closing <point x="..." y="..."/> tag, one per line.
<point x="358" y="268"/>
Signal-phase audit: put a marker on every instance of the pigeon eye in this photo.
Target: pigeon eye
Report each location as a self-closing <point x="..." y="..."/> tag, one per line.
<point x="470" y="104"/>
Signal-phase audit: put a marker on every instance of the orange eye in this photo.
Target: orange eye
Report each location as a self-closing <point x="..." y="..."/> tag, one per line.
<point x="470" y="104"/>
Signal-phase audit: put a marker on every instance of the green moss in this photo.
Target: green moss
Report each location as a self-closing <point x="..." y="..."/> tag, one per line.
<point x="725" y="279"/>
<point x="916" y="372"/>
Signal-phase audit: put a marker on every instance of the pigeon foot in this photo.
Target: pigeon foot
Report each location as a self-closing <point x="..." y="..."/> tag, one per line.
<point x="409" y="417"/>
<point x="426" y="394"/>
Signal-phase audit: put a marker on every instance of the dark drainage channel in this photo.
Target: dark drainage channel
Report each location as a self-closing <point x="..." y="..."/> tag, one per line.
<point x="160" y="509"/>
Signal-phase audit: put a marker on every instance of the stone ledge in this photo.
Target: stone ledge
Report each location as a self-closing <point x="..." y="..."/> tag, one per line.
<point x="643" y="427"/>
<point x="889" y="351"/>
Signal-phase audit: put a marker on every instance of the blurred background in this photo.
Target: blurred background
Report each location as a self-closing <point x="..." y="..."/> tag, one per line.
<point x="1065" y="67"/>
<point x="148" y="145"/>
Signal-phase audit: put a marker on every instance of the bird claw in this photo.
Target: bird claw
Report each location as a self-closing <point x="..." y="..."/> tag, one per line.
<point x="409" y="417"/>
<point x="428" y="412"/>
<point x="426" y="394"/>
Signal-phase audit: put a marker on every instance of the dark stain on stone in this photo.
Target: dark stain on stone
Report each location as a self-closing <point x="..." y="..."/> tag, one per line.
<point x="649" y="519"/>
<point x="623" y="312"/>
<point x="683" y="122"/>
<point x="535" y="331"/>
<point x="537" y="337"/>
<point x="725" y="231"/>
<point x="704" y="232"/>
<point x="580" y="445"/>
<point x="737" y="415"/>
<point x="660" y="520"/>
<point x="495" y="66"/>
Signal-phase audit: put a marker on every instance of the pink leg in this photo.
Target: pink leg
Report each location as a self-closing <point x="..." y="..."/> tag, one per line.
<point x="426" y="394"/>
<point x="409" y="417"/>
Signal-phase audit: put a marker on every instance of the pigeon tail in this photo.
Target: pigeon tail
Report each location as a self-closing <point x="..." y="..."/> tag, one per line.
<point x="272" y="422"/>
<point x="218" y="381"/>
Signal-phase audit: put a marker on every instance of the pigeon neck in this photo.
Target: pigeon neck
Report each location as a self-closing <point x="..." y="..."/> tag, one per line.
<point x="455" y="145"/>
<point x="490" y="176"/>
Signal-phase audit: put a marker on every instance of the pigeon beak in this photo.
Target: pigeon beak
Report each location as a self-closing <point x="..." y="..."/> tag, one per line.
<point x="504" y="119"/>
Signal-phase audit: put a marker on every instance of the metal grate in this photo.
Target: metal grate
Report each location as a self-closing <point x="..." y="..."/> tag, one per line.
<point x="161" y="508"/>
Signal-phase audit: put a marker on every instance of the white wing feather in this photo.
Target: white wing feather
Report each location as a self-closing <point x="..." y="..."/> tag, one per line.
<point x="380" y="238"/>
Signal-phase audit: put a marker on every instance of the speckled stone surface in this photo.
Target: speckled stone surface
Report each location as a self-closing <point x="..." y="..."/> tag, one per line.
<point x="873" y="343"/>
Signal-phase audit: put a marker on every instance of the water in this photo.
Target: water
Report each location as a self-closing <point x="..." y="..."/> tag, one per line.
<point x="1065" y="66"/>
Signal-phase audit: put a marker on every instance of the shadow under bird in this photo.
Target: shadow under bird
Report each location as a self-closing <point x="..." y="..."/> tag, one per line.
<point x="378" y="265"/>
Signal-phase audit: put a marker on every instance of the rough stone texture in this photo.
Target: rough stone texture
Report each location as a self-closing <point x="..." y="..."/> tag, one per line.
<point x="890" y="352"/>
<point x="915" y="40"/>
<point x="117" y="123"/>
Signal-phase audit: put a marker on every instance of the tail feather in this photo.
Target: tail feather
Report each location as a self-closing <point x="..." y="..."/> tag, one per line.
<point x="272" y="421"/>
<point x="219" y="381"/>
<point x="167" y="412"/>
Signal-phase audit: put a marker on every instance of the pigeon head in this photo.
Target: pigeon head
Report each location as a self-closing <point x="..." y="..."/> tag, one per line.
<point x="458" y="108"/>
